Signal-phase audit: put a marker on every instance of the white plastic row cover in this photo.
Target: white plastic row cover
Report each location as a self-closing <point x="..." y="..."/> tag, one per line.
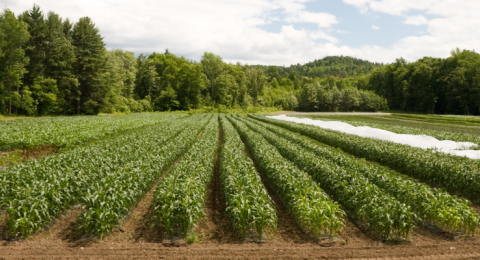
<point x="420" y="141"/>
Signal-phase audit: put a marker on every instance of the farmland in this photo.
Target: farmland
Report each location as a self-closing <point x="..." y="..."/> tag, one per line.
<point x="176" y="185"/>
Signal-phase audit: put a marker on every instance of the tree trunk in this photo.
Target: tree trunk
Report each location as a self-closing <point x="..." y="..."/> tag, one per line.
<point x="212" y="83"/>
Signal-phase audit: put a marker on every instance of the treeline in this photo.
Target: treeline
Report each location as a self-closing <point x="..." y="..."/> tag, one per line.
<point x="431" y="85"/>
<point x="175" y="83"/>
<point x="50" y="65"/>
<point x="338" y="66"/>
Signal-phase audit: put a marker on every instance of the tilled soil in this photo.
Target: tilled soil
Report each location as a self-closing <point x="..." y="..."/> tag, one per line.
<point x="60" y="242"/>
<point x="137" y="238"/>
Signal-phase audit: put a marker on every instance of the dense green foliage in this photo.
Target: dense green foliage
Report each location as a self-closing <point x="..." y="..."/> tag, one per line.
<point x="431" y="85"/>
<point x="53" y="66"/>
<point x="317" y="97"/>
<point x="430" y="205"/>
<point x="249" y="207"/>
<point x="454" y="173"/>
<point x="312" y="208"/>
<point x="179" y="199"/>
<point x="70" y="131"/>
<point x="338" y="66"/>
<point x="13" y="35"/>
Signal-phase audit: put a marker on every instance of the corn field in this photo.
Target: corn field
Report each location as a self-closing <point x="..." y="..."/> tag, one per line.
<point x="107" y="165"/>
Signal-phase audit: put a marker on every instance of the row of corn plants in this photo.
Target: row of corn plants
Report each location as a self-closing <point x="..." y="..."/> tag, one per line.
<point x="384" y="215"/>
<point x="65" y="131"/>
<point x="178" y="201"/>
<point x="110" y="200"/>
<point x="312" y="208"/>
<point x="35" y="192"/>
<point x="431" y="205"/>
<point x="249" y="207"/>
<point x="456" y="174"/>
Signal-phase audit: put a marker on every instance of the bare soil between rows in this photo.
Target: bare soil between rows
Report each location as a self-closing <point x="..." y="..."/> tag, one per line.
<point x="55" y="243"/>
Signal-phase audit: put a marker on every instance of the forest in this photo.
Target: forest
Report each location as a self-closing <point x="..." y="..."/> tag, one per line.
<point x="53" y="66"/>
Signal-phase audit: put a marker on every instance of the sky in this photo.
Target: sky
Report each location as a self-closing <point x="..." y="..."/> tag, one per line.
<point x="278" y="32"/>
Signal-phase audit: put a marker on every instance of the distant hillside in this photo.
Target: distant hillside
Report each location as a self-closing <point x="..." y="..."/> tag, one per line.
<point x="339" y="66"/>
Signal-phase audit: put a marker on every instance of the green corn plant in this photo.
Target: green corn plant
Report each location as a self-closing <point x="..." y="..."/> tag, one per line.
<point x="314" y="211"/>
<point x="179" y="200"/>
<point x="384" y="215"/>
<point x="248" y="205"/>
<point x="66" y="131"/>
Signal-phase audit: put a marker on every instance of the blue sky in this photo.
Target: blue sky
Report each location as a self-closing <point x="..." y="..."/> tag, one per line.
<point x="355" y="29"/>
<point x="279" y="32"/>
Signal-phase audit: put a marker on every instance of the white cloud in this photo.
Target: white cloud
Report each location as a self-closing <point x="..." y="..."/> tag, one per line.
<point x="457" y="24"/>
<point x="189" y="27"/>
<point x="375" y="28"/>
<point x="323" y="20"/>
<point x="416" y="20"/>
<point x="232" y="28"/>
<point x="393" y="7"/>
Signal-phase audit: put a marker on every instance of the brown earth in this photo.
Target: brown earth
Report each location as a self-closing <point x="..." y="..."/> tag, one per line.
<point x="60" y="241"/>
<point x="37" y="152"/>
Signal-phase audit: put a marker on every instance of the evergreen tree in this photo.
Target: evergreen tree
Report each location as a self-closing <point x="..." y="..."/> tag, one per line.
<point x="59" y="61"/>
<point x="90" y="59"/>
<point x="35" y="48"/>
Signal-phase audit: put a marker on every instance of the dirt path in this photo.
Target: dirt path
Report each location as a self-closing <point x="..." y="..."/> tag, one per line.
<point x="421" y="247"/>
<point x="216" y="228"/>
<point x="288" y="231"/>
<point x="289" y="242"/>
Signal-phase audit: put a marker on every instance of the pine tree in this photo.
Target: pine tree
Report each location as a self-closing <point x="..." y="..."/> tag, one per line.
<point x="59" y="61"/>
<point x="90" y="54"/>
<point x="36" y="46"/>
